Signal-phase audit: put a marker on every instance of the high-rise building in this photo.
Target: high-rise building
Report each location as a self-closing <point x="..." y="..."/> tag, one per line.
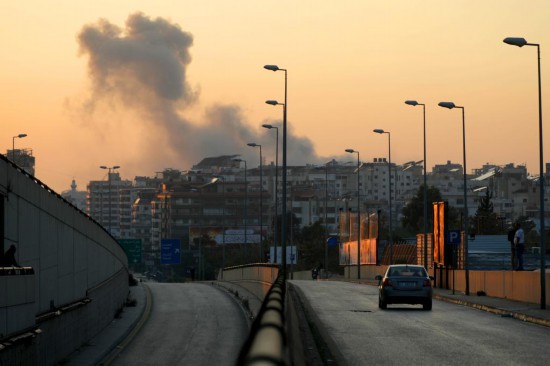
<point x="103" y="202"/>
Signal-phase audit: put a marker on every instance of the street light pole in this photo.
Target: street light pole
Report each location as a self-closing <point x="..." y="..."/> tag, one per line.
<point x="110" y="198"/>
<point x="20" y="136"/>
<point x="390" y="198"/>
<point x="520" y="42"/>
<point x="425" y="240"/>
<point x="451" y="105"/>
<point x="224" y="218"/>
<point x="253" y="144"/>
<point x="283" y="226"/>
<point x="326" y="221"/>
<point x="351" y="151"/>
<point x="245" y="204"/>
<point x="276" y="234"/>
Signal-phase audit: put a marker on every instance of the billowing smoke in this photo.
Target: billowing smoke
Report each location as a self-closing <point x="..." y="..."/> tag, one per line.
<point x="143" y="68"/>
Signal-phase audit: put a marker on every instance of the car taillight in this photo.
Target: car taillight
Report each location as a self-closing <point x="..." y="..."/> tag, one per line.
<point x="387" y="282"/>
<point x="427" y="283"/>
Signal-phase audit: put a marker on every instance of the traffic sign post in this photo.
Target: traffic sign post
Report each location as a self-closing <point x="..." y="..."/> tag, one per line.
<point x="132" y="248"/>
<point x="170" y="251"/>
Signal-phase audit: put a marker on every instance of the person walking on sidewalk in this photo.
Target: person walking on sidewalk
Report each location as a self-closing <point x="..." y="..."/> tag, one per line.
<point x="519" y="240"/>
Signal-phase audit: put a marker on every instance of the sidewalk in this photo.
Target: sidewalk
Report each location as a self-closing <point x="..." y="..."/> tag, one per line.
<point x="507" y="308"/>
<point x="103" y="347"/>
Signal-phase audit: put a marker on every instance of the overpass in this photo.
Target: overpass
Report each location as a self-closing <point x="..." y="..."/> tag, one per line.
<point x="72" y="279"/>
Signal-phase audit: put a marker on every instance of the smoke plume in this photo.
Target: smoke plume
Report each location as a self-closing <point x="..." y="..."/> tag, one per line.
<point x="142" y="68"/>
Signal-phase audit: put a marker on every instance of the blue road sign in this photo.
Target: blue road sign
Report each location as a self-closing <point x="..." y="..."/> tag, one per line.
<point x="170" y="251"/>
<point x="332" y="241"/>
<point x="454" y="236"/>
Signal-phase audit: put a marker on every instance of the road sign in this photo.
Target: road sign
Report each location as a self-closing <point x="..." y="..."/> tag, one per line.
<point x="454" y="237"/>
<point x="170" y="251"/>
<point x="132" y="248"/>
<point x="332" y="241"/>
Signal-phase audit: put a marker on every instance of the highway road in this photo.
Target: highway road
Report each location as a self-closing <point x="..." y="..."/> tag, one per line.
<point x="359" y="333"/>
<point x="189" y="324"/>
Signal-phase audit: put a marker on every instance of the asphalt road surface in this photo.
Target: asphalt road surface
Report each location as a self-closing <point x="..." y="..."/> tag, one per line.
<point x="359" y="333"/>
<point x="190" y="324"/>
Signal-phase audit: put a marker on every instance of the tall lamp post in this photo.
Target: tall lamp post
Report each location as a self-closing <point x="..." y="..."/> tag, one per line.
<point x="520" y="42"/>
<point x="253" y="144"/>
<point x="283" y="221"/>
<point x="380" y="131"/>
<point x="215" y="180"/>
<point x="451" y="105"/>
<point x="351" y="151"/>
<point x="110" y="198"/>
<point x="20" y="136"/>
<point x="326" y="221"/>
<point x="425" y="241"/>
<point x="276" y="234"/>
<point x="245" y="203"/>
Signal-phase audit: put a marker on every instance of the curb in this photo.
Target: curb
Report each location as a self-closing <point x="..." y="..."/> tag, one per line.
<point x="132" y="331"/>
<point x="496" y="311"/>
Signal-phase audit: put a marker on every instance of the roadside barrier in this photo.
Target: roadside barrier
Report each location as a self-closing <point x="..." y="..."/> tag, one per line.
<point x="266" y="342"/>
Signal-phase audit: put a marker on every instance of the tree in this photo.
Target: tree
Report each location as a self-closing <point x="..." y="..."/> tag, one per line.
<point x="413" y="212"/>
<point x="486" y="220"/>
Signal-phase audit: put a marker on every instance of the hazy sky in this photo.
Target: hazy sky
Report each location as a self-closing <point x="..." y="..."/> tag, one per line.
<point x="149" y="85"/>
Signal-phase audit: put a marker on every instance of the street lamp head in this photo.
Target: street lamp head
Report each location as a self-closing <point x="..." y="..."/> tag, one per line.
<point x="272" y="102"/>
<point x="411" y="102"/>
<point x="449" y="105"/>
<point x="271" y="67"/>
<point x="237" y="160"/>
<point x="103" y="167"/>
<point x="515" y="41"/>
<point x="351" y="151"/>
<point x="265" y="125"/>
<point x="378" y="130"/>
<point x="252" y="144"/>
<point x="116" y="167"/>
<point x="21" y="135"/>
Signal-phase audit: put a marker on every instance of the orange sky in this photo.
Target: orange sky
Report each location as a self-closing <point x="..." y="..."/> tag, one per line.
<point x="351" y="66"/>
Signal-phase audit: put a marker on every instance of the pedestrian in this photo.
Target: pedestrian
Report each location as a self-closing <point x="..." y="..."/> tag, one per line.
<point x="519" y="240"/>
<point x="9" y="257"/>
<point x="511" y="236"/>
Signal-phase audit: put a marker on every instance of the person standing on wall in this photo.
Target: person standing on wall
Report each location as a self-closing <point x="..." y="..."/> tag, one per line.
<point x="519" y="240"/>
<point x="9" y="258"/>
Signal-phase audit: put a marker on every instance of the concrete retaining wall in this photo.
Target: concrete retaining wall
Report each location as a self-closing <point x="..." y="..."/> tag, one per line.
<point x="75" y="260"/>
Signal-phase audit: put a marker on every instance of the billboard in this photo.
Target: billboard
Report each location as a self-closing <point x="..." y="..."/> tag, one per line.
<point x="219" y="235"/>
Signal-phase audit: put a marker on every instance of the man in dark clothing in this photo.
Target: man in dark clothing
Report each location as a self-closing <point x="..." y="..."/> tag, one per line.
<point x="9" y="258"/>
<point x="511" y="236"/>
<point x="519" y="240"/>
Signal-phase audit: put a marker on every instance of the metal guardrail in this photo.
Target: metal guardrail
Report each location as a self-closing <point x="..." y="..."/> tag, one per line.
<point x="266" y="342"/>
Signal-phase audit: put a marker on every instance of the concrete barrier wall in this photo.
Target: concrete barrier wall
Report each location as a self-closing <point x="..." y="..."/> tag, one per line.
<point x="514" y="285"/>
<point x="72" y="256"/>
<point x="255" y="279"/>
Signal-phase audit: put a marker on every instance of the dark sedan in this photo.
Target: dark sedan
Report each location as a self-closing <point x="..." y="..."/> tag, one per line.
<point x="405" y="284"/>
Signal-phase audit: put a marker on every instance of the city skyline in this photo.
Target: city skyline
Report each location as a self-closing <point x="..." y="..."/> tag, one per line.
<point x="192" y="82"/>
